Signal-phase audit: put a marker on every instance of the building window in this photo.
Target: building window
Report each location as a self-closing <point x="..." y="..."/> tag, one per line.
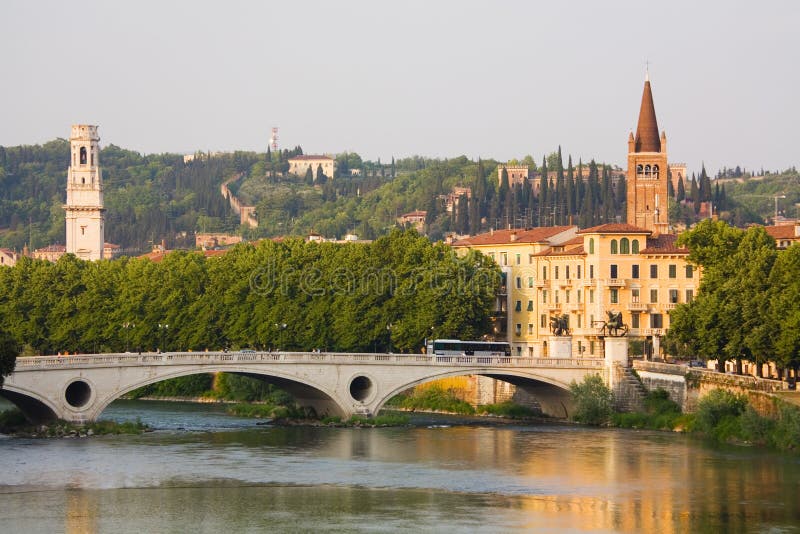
<point x="544" y="296"/>
<point x="624" y="246"/>
<point x="635" y="295"/>
<point x="579" y="272"/>
<point x="555" y="272"/>
<point x="530" y="328"/>
<point x="555" y="293"/>
<point x="591" y="272"/>
<point x="591" y="296"/>
<point x="543" y="321"/>
<point x="654" y="296"/>
<point x="566" y="274"/>
<point x="634" y="320"/>
<point x="673" y="296"/>
<point x="518" y="306"/>
<point x="591" y="347"/>
<point x="614" y="271"/>
<point x="591" y="245"/>
<point x="689" y="295"/>
<point x="635" y="246"/>
<point x="83" y="155"/>
<point x="673" y="271"/>
<point x="634" y="271"/>
<point x="656" y="320"/>
<point x="613" y="246"/>
<point x="614" y="295"/>
<point x="491" y="255"/>
<point x="504" y="257"/>
<point x="578" y="293"/>
<point x="530" y="281"/>
<point x="566" y="296"/>
<point x="654" y="271"/>
<point x="519" y="282"/>
<point x="689" y="271"/>
<point x="518" y="329"/>
<point x="578" y="319"/>
<point x="518" y="259"/>
<point x="544" y="272"/>
<point x="530" y="305"/>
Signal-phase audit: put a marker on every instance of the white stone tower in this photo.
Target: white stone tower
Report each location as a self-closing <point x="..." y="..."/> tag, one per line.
<point x="84" y="207"/>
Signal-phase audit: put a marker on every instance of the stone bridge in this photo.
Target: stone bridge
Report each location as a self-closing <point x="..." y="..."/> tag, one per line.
<point x="78" y="388"/>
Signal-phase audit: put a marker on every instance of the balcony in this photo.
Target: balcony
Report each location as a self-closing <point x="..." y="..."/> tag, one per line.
<point x="637" y="306"/>
<point x="654" y="331"/>
<point x="669" y="306"/>
<point x="589" y="282"/>
<point x="554" y="307"/>
<point x="615" y="282"/>
<point x="564" y="283"/>
<point x="542" y="283"/>
<point x="574" y="307"/>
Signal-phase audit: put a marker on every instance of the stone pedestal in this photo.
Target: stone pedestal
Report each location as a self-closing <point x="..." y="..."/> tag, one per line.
<point x="561" y="346"/>
<point x="616" y="349"/>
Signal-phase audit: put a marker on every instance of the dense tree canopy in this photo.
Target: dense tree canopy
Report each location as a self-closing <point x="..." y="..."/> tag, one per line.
<point x="293" y="294"/>
<point x="747" y="306"/>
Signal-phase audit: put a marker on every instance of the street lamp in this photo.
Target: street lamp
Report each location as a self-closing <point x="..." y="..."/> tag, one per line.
<point x="127" y="327"/>
<point x="162" y="328"/>
<point x="281" y="327"/>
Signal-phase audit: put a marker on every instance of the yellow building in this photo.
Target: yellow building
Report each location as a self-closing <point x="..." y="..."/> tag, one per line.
<point x="584" y="274"/>
<point x="631" y="268"/>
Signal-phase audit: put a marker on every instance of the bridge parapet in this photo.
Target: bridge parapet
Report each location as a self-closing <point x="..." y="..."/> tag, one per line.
<point x="334" y="358"/>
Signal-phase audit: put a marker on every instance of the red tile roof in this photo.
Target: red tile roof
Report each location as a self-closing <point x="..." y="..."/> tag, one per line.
<point x="499" y="237"/>
<point x="647" y="138"/>
<point x="784" y="231"/>
<point x="615" y="228"/>
<point x="663" y="244"/>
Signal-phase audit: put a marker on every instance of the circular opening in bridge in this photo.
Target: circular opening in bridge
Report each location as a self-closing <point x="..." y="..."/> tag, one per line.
<point x="78" y="393"/>
<point x="361" y="388"/>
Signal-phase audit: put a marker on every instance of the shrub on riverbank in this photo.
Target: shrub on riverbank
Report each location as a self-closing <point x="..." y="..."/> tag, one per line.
<point x="593" y="401"/>
<point x="433" y="398"/>
<point x="661" y="413"/>
<point x="14" y="422"/>
<point x="509" y="409"/>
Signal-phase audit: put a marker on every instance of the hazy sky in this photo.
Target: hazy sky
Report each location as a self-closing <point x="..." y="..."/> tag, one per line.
<point x="435" y="78"/>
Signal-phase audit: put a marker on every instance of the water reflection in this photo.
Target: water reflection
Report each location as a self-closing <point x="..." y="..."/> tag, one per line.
<point x="232" y="473"/>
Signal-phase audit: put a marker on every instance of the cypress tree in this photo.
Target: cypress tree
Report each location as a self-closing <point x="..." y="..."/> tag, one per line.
<point x="681" y="196"/>
<point x="544" y="195"/>
<point x="569" y="191"/>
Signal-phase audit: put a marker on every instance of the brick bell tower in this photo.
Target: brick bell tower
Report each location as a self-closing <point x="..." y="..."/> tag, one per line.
<point x="647" y="197"/>
<point x="85" y="214"/>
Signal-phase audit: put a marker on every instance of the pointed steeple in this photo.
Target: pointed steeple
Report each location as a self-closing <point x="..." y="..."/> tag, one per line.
<point x="647" y="137"/>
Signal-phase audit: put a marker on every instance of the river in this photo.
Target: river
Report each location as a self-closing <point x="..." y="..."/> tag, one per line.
<point x="203" y="471"/>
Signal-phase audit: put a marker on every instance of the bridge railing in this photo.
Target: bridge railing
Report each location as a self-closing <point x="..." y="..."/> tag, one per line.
<point x="181" y="358"/>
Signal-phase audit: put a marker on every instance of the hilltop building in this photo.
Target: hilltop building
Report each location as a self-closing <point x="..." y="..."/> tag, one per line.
<point x="85" y="214"/>
<point x="8" y="257"/>
<point x="299" y="165"/>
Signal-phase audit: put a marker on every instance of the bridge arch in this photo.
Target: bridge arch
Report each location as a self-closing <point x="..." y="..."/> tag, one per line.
<point x="554" y="397"/>
<point x="306" y="392"/>
<point x="34" y="406"/>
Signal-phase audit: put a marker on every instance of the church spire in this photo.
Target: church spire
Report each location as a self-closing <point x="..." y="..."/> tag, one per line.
<point x="647" y="137"/>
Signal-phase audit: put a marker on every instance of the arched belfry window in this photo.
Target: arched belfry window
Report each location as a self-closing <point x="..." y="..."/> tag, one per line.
<point x="655" y="172"/>
<point x="613" y="246"/>
<point x="624" y="246"/>
<point x="647" y="171"/>
<point x="83" y="155"/>
<point x="635" y="246"/>
<point x="639" y="170"/>
<point x="83" y="180"/>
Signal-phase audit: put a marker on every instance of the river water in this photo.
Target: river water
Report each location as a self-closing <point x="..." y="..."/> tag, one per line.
<point x="203" y="471"/>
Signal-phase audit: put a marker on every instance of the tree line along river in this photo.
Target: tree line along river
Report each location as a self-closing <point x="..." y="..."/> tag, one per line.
<point x="204" y="471"/>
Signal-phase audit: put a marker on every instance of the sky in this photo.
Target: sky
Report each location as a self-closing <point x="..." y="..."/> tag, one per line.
<point x="437" y="78"/>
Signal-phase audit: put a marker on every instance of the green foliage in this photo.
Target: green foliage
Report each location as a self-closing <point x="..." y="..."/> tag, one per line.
<point x="593" y="401"/>
<point x="509" y="409"/>
<point x="9" y="349"/>
<point x="248" y="389"/>
<point x="14" y="422"/>
<point x="330" y="296"/>
<point x="433" y="398"/>
<point x="786" y="435"/>
<point x="661" y="413"/>
<point x="755" y="428"/>
<point x="718" y="414"/>
<point x="184" y="386"/>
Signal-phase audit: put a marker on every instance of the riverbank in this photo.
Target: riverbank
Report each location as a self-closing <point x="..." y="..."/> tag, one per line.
<point x="14" y="423"/>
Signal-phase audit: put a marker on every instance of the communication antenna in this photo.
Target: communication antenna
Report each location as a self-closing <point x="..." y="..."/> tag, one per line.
<point x="273" y="139"/>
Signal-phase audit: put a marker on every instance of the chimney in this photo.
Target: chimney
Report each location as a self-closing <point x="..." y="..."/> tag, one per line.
<point x="513" y="236"/>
